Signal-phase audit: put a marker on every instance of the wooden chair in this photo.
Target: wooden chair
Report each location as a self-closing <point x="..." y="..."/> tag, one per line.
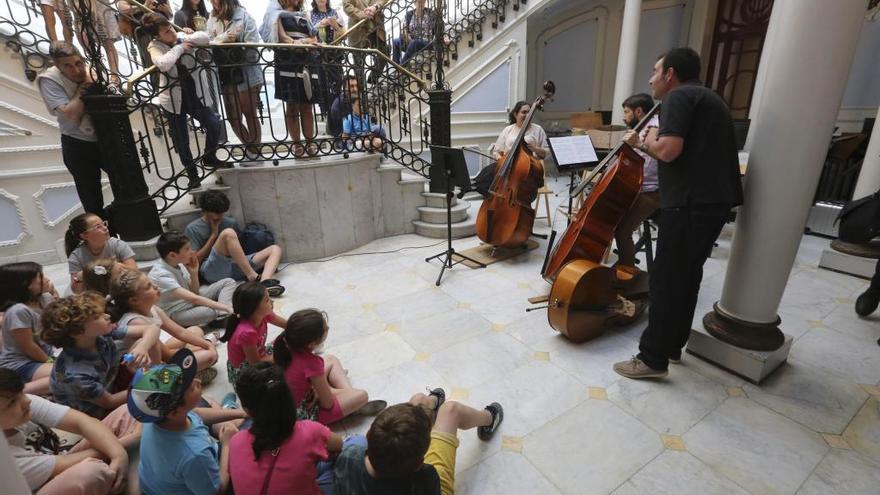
<point x="544" y="192"/>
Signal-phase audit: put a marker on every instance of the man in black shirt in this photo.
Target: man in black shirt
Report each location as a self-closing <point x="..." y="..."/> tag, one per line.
<point x="699" y="183"/>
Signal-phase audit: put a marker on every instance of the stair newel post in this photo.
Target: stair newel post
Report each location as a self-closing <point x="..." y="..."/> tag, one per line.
<point x="439" y="99"/>
<point x="132" y="214"/>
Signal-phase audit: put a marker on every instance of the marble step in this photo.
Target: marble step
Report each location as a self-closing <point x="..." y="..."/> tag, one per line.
<point x="437" y="200"/>
<point x="461" y="229"/>
<point x="144" y="250"/>
<point x="458" y="212"/>
<point x="179" y="219"/>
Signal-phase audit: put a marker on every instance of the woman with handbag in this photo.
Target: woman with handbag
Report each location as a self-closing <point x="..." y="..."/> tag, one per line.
<point x="241" y="77"/>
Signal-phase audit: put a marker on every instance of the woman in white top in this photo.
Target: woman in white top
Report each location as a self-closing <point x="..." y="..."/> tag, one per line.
<point x="535" y="138"/>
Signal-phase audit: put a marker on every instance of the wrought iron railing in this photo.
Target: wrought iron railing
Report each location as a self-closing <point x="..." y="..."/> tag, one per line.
<point x="394" y="98"/>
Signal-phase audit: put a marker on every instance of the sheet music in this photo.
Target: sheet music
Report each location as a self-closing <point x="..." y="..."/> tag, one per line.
<point x="573" y="150"/>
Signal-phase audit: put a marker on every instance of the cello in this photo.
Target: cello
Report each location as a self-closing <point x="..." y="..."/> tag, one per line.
<point x="586" y="297"/>
<point x="506" y="216"/>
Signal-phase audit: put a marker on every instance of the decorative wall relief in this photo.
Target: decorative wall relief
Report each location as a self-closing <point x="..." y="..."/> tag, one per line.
<point x="56" y="202"/>
<point x="12" y="225"/>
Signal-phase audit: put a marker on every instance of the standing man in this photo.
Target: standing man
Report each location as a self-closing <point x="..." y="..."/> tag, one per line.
<point x="370" y="34"/>
<point x="634" y="110"/>
<point x="61" y="87"/>
<point x="699" y="184"/>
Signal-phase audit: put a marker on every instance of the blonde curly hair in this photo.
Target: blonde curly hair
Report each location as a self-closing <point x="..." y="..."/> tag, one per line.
<point x="66" y="318"/>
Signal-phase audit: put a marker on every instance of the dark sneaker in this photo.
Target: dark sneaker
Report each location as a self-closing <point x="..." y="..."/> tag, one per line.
<point x="269" y="282"/>
<point x="372" y="408"/>
<point x="675" y="359"/>
<point x="636" y="369"/>
<point x="485" y="432"/>
<point x="440" y="394"/>
<point x="867" y="302"/>
<point x="275" y="290"/>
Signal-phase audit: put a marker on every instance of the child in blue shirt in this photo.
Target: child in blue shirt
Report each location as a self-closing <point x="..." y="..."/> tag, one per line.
<point x="177" y="451"/>
<point x="359" y="131"/>
<point x="84" y="372"/>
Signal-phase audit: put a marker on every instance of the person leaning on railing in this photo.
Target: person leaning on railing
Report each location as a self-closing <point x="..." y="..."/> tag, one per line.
<point x="371" y="33"/>
<point x="297" y="74"/>
<point x="238" y="68"/>
<point x="61" y="87"/>
<point x="180" y="95"/>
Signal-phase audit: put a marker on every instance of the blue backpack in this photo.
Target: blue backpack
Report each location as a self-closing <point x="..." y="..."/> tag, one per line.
<point x="255" y="237"/>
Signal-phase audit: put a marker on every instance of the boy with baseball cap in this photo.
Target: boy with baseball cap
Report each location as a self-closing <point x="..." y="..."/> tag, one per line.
<point x="177" y="452"/>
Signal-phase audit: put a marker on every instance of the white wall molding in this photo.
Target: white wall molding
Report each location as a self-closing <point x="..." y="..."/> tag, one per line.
<point x="41" y="206"/>
<point x="24" y="228"/>
<point x="509" y="53"/>
<point x="24" y="113"/>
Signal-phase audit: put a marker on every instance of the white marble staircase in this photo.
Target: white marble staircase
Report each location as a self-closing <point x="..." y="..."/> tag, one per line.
<point x="432" y="217"/>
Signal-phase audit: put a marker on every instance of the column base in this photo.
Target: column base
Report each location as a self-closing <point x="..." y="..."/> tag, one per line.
<point x="744" y="334"/>
<point x="135" y="220"/>
<point x="752" y="365"/>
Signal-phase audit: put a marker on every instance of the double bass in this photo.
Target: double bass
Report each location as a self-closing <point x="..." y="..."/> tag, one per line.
<point x="586" y="296"/>
<point x="506" y="216"/>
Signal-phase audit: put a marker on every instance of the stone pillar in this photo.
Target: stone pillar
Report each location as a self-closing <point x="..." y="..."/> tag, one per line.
<point x="869" y="177"/>
<point x="787" y="144"/>
<point x="133" y="214"/>
<point x="626" y="58"/>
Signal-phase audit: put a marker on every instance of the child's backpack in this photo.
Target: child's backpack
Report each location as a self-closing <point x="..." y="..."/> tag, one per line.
<point x="255" y="237"/>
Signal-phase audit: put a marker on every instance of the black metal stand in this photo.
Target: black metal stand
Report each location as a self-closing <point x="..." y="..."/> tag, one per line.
<point x="446" y="256"/>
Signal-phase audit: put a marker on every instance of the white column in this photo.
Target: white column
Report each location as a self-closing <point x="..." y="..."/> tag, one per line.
<point x="626" y="58"/>
<point x="787" y="144"/>
<point x="869" y="177"/>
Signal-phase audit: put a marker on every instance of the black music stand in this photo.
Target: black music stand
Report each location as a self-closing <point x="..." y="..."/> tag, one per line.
<point x="453" y="172"/>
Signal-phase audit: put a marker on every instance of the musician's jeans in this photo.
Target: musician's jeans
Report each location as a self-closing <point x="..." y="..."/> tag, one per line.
<point x="684" y="240"/>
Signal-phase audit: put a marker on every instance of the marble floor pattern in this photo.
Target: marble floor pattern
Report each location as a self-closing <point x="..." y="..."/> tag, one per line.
<point x="572" y="426"/>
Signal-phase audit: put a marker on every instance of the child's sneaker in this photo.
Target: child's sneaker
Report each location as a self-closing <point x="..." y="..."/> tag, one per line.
<point x="206" y="376"/>
<point x="440" y="394"/>
<point x="230" y="401"/>
<point x="486" y="432"/>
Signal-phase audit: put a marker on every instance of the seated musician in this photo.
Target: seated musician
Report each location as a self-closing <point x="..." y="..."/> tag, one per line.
<point x="535" y="139"/>
<point x="634" y="109"/>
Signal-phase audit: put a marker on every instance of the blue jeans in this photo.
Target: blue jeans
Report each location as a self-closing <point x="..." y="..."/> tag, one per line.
<point x="414" y="47"/>
<point x="325" y="468"/>
<point x="180" y="131"/>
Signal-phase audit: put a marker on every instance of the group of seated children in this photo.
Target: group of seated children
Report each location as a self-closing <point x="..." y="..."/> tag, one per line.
<point x="123" y="359"/>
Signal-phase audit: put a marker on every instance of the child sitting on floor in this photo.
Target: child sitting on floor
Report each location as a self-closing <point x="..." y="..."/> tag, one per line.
<point x="183" y="298"/>
<point x="321" y="388"/>
<point x="23" y="293"/>
<point x="134" y="303"/>
<point x="277" y="454"/>
<point x="86" y="368"/>
<point x="177" y="452"/>
<point x="99" y="274"/>
<point x="405" y="454"/>
<point x="247" y="328"/>
<point x="28" y="422"/>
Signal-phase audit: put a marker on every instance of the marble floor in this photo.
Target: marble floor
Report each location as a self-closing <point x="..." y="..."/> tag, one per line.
<point x="572" y="426"/>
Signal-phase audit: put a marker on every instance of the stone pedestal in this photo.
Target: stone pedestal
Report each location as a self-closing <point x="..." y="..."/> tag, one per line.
<point x="751" y="365"/>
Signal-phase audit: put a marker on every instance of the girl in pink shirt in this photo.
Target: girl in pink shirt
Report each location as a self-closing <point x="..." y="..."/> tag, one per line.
<point x="246" y="329"/>
<point x="277" y="454"/>
<point x="320" y="387"/>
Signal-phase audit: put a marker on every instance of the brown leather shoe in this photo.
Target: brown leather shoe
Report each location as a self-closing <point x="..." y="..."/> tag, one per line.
<point x="636" y="369"/>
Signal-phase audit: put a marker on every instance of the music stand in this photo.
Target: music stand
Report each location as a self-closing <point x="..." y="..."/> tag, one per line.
<point x="572" y="154"/>
<point x="451" y="171"/>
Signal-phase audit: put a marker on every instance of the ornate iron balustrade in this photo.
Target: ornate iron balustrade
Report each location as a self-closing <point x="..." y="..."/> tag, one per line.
<point x="394" y="98"/>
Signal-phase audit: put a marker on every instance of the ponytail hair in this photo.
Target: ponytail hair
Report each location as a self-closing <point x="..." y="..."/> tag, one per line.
<point x="267" y="399"/>
<point x="76" y="228"/>
<point x="126" y="286"/>
<point x="245" y="301"/>
<point x="98" y="274"/>
<point x="304" y="327"/>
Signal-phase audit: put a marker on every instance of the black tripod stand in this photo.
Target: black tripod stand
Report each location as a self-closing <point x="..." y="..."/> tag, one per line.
<point x="452" y="171"/>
